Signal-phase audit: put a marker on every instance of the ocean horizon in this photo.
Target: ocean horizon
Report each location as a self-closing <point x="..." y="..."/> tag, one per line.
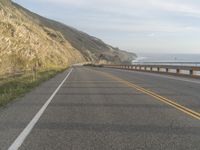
<point x="156" y="57"/>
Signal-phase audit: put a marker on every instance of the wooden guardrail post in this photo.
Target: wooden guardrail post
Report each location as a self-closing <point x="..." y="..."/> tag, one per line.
<point x="191" y="72"/>
<point x="178" y="71"/>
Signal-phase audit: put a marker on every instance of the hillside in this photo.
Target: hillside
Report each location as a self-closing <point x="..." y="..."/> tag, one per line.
<point x="28" y="39"/>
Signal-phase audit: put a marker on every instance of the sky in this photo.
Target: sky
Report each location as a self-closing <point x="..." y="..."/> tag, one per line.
<point x="141" y="26"/>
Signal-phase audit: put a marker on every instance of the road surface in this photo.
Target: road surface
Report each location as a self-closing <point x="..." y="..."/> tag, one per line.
<point x="105" y="109"/>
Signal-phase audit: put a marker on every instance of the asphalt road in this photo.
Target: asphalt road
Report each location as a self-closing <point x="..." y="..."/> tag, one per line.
<point x="103" y="109"/>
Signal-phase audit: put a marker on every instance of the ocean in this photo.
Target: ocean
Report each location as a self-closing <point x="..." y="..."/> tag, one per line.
<point x="170" y="59"/>
<point x="145" y="57"/>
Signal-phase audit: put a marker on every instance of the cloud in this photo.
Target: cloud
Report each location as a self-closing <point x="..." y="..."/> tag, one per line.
<point x="151" y="35"/>
<point x="133" y="6"/>
<point x="140" y="15"/>
<point x="112" y="19"/>
<point x="143" y="28"/>
<point x="174" y="6"/>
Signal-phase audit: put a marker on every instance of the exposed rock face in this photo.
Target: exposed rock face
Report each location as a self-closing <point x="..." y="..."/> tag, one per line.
<point x="23" y="42"/>
<point x="27" y="39"/>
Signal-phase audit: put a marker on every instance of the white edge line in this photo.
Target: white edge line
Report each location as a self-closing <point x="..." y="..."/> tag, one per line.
<point x="22" y="136"/>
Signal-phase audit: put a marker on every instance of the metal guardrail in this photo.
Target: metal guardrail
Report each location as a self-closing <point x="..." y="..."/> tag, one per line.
<point x="182" y="70"/>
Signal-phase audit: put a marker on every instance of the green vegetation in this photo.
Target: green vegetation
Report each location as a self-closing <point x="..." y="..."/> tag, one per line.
<point x="13" y="87"/>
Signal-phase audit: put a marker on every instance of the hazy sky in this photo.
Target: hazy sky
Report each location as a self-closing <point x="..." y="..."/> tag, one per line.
<point x="164" y="26"/>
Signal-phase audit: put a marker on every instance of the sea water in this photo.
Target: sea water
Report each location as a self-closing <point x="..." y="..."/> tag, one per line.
<point x="145" y="57"/>
<point x="170" y="59"/>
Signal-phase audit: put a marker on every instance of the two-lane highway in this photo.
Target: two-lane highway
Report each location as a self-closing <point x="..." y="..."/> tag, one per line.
<point x="106" y="109"/>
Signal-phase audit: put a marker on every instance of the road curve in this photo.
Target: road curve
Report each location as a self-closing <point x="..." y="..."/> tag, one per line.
<point x="103" y="109"/>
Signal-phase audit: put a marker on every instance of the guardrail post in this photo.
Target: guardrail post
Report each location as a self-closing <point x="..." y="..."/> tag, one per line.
<point x="158" y="68"/>
<point x="191" y="72"/>
<point x="177" y="71"/>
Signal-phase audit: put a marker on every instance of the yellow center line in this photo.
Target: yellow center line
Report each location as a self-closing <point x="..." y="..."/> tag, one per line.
<point x="170" y="102"/>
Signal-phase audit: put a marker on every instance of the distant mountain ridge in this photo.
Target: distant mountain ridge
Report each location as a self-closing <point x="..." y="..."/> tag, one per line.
<point x="83" y="42"/>
<point x="31" y="37"/>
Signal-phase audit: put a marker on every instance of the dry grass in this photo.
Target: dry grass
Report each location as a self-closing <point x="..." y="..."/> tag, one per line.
<point x="24" y="41"/>
<point x="13" y="87"/>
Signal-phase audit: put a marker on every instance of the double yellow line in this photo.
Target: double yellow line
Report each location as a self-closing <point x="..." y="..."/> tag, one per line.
<point x="156" y="96"/>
